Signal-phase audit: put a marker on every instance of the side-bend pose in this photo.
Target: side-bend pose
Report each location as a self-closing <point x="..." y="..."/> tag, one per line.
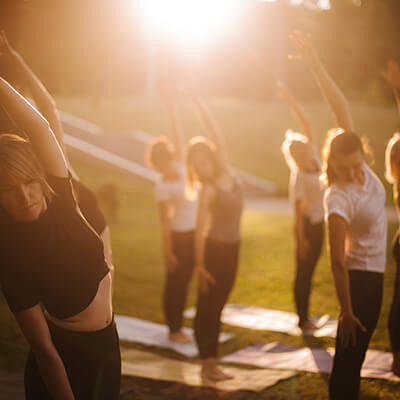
<point x="177" y="210"/>
<point x="357" y="226"/>
<point x="53" y="273"/>
<point x="392" y="158"/>
<point x="306" y="194"/>
<point x="47" y="107"/>
<point x="217" y="236"/>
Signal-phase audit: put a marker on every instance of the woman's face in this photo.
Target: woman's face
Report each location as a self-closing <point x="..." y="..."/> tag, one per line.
<point x="348" y="168"/>
<point x="203" y="166"/>
<point x="23" y="200"/>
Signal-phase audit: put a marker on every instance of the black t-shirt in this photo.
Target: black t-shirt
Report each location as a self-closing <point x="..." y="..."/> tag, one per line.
<point x="57" y="260"/>
<point x="89" y="206"/>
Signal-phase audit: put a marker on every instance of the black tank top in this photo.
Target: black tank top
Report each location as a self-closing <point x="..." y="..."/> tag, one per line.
<point x="56" y="260"/>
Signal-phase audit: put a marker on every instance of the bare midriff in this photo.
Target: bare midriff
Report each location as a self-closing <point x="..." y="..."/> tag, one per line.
<point x="96" y="316"/>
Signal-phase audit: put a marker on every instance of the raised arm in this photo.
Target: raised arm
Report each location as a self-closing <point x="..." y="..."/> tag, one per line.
<point x="36" y="128"/>
<point x="43" y="100"/>
<point x="213" y="130"/>
<point x="331" y="92"/>
<point x="392" y="76"/>
<point x="287" y="96"/>
<point x="176" y="131"/>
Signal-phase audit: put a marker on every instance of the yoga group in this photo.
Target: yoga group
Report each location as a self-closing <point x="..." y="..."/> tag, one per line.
<point x="56" y="272"/>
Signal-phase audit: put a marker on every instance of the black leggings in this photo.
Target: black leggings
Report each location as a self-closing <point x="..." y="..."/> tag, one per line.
<point x="394" y="316"/>
<point x="177" y="281"/>
<point x="221" y="260"/>
<point x="92" y="361"/>
<point x="366" y="298"/>
<point x="305" y="268"/>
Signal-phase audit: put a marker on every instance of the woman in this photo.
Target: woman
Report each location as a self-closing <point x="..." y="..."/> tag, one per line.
<point x="47" y="107"/>
<point x="306" y="193"/>
<point x="217" y="237"/>
<point x="392" y="159"/>
<point x="53" y="272"/>
<point x="357" y="227"/>
<point x="177" y="211"/>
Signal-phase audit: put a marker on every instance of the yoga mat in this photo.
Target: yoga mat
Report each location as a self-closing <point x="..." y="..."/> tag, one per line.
<point x="149" y="365"/>
<point x="138" y="330"/>
<point x="276" y="355"/>
<point x="271" y="320"/>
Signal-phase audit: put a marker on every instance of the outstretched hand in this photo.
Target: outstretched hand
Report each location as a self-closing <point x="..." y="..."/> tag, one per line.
<point x="348" y="333"/>
<point x="205" y="279"/>
<point x="392" y="74"/>
<point x="304" y="47"/>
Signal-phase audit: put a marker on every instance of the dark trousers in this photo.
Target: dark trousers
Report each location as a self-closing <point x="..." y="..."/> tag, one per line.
<point x="366" y="298"/>
<point x="221" y="260"/>
<point x="92" y="361"/>
<point x="305" y="268"/>
<point x="394" y="316"/>
<point x="177" y="281"/>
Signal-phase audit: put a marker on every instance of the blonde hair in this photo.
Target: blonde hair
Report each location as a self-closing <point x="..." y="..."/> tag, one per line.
<point x="196" y="145"/>
<point x="158" y="151"/>
<point x="338" y="141"/>
<point x="392" y="159"/>
<point x="292" y="139"/>
<point x="19" y="161"/>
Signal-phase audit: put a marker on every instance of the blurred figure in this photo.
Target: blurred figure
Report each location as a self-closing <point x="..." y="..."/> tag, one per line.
<point x="392" y="161"/>
<point x="306" y="194"/>
<point x="177" y="211"/>
<point x="357" y="227"/>
<point x="46" y="105"/>
<point x="53" y="273"/>
<point x="217" y="239"/>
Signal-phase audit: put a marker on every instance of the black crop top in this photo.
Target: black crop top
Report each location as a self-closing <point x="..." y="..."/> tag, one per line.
<point x="89" y="206"/>
<point x="57" y="260"/>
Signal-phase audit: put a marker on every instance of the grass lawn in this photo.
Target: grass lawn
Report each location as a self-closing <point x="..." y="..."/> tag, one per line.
<point x="264" y="280"/>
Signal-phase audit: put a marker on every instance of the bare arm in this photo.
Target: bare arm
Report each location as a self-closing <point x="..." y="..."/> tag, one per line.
<point x="34" y="326"/>
<point x="170" y="257"/>
<point x="337" y="228"/>
<point x="331" y="92"/>
<point x="175" y="128"/>
<point x="286" y="95"/>
<point x="36" y="128"/>
<point x="43" y="100"/>
<point x="205" y="199"/>
<point x="213" y="130"/>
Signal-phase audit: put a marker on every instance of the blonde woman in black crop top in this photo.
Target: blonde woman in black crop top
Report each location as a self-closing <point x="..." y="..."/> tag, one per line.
<point x="53" y="272"/>
<point x="47" y="107"/>
<point x="217" y="237"/>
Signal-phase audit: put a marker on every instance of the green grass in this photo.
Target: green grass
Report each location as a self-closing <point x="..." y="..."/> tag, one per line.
<point x="253" y="130"/>
<point x="265" y="280"/>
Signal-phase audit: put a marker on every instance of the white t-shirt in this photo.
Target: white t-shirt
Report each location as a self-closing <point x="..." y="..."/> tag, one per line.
<point x="184" y="209"/>
<point x="306" y="186"/>
<point x="363" y="208"/>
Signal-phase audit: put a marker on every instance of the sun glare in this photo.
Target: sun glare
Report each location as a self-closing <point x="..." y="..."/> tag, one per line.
<point x="188" y="22"/>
